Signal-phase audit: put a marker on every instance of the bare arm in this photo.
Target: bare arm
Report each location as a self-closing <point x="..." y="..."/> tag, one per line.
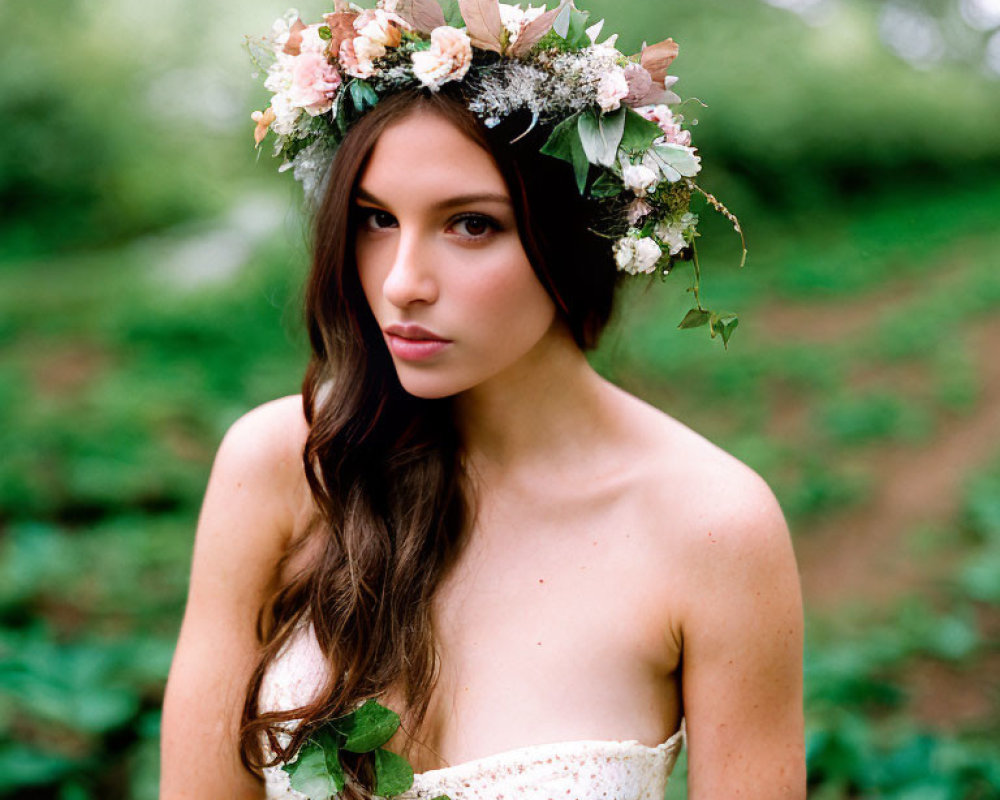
<point x="742" y="655"/>
<point x="245" y="523"/>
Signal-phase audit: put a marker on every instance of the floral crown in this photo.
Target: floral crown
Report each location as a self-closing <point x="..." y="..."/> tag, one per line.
<point x="610" y="114"/>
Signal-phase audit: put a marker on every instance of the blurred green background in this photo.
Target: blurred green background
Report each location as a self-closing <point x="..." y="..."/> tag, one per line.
<point x="150" y="272"/>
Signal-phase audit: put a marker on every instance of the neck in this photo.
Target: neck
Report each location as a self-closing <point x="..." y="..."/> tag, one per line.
<point x="539" y="411"/>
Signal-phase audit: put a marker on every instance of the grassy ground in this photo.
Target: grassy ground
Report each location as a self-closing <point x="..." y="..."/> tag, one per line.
<point x="862" y="384"/>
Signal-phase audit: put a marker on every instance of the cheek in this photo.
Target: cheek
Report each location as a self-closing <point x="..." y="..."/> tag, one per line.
<point x="370" y="274"/>
<point x="510" y="303"/>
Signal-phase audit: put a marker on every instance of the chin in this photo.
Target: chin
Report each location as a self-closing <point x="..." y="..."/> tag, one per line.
<point x="427" y="385"/>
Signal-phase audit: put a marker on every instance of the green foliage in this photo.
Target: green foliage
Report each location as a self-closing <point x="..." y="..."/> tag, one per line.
<point x="317" y="770"/>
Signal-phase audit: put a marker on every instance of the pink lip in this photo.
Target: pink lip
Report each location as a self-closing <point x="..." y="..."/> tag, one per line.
<point x="413" y="343"/>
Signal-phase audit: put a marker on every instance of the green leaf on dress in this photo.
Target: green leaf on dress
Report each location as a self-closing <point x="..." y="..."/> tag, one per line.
<point x="393" y="773"/>
<point x="316" y="772"/>
<point x="368" y="727"/>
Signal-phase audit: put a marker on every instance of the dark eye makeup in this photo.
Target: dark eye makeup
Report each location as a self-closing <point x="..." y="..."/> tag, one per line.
<point x="468" y="226"/>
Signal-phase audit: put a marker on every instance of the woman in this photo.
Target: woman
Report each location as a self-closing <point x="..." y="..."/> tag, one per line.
<point x="461" y="519"/>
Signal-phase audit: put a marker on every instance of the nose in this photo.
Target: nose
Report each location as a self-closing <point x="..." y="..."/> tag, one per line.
<point x="411" y="277"/>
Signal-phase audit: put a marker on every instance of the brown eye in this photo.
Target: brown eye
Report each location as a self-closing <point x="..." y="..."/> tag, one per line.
<point x="375" y="219"/>
<point x="475" y="226"/>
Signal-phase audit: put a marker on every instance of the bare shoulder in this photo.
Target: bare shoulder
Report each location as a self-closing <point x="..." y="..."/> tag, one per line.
<point x="262" y="454"/>
<point x="717" y="504"/>
<point x="248" y="515"/>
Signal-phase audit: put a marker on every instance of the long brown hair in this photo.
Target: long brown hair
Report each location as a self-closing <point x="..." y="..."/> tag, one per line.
<point x="393" y="508"/>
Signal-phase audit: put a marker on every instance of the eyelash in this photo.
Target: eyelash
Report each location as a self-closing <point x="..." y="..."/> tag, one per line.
<point x="366" y="215"/>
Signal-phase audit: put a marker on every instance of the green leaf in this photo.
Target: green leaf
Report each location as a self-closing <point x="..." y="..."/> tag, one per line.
<point x="606" y="185"/>
<point x="564" y="143"/>
<point x="640" y="133"/>
<point x="601" y="135"/>
<point x="571" y="25"/>
<point x="325" y="33"/>
<point x="393" y="774"/>
<point x="561" y="23"/>
<point x="363" y="95"/>
<point x="695" y="318"/>
<point x="368" y="727"/>
<point x="452" y="13"/>
<point x="723" y="325"/>
<point x="316" y="772"/>
<point x="675" y="158"/>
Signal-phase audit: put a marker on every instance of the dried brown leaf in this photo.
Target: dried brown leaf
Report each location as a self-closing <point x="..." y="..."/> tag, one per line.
<point x="657" y="59"/>
<point x="423" y="15"/>
<point x="483" y="23"/>
<point x="341" y="24"/>
<point x="294" y="44"/>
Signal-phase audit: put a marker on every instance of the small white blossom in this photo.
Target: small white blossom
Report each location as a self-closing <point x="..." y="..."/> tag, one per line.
<point x="637" y="255"/>
<point x="675" y="233"/>
<point x="286" y="115"/>
<point x="640" y="178"/>
<point x="612" y="89"/>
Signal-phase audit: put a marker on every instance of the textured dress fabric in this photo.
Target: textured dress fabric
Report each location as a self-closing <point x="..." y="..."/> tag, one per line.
<point x="577" y="770"/>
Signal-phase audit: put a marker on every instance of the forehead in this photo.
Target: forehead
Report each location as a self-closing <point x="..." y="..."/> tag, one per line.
<point x="425" y="157"/>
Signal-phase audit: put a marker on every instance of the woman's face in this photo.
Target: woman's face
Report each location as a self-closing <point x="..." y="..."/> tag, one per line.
<point x="441" y="262"/>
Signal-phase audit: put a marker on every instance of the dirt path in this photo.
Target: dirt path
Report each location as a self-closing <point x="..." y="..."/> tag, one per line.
<point x="862" y="554"/>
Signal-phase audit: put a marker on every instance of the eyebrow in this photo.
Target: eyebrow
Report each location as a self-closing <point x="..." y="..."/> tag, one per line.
<point x="451" y="202"/>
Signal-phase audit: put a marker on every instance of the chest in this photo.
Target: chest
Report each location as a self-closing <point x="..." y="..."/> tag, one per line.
<point x="552" y="626"/>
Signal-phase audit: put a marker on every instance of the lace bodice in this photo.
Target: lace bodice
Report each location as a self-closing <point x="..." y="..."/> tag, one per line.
<point x="575" y="770"/>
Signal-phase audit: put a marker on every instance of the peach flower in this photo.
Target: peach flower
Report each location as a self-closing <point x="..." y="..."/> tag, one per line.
<point x="381" y="27"/>
<point x="448" y="59"/>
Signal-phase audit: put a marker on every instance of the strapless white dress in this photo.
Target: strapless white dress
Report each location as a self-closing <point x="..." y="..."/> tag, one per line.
<point x="590" y="769"/>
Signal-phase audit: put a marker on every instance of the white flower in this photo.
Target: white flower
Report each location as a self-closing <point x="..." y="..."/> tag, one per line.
<point x="637" y="255"/>
<point x="448" y="59"/>
<point x="286" y="115"/>
<point x="639" y="178"/>
<point x="515" y="19"/>
<point x="676" y="233"/>
<point x="612" y="89"/>
<point x="312" y="42"/>
<point x="282" y="28"/>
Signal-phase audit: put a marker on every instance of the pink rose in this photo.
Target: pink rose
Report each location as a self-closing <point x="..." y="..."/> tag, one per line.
<point x="314" y="83"/>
